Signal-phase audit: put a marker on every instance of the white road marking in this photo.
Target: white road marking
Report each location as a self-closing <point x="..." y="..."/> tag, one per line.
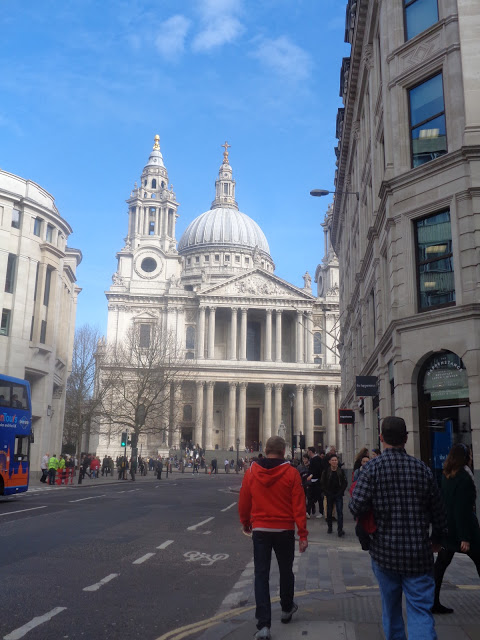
<point x="193" y="556"/>
<point x="130" y="490"/>
<point x="89" y="498"/>
<point x="96" y="587"/>
<point x="194" y="526"/>
<point x="229" y="506"/>
<point x="205" y="533"/>
<point x="22" y="631"/>
<point x="11" y="513"/>
<point x="165" y="544"/>
<point x="143" y="558"/>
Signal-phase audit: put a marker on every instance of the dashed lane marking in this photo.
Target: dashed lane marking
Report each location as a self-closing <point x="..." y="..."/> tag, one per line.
<point x="165" y="544"/>
<point x="22" y="631"/>
<point x="89" y="498"/>
<point x="229" y="506"/>
<point x="11" y="513"/>
<point x="97" y="585"/>
<point x="199" y="524"/>
<point x="147" y="556"/>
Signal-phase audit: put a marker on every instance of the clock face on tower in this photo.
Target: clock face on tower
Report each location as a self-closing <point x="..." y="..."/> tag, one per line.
<point x="148" y="264"/>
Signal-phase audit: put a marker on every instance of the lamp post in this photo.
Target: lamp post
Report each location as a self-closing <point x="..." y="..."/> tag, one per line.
<point x="323" y="192"/>
<point x="237" y="442"/>
<point x="292" y="398"/>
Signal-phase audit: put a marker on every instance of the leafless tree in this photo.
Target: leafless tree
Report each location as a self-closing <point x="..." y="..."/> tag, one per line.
<point x="137" y="376"/>
<point x="81" y="403"/>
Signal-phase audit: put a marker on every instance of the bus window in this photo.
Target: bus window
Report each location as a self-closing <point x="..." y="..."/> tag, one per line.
<point x="19" y="397"/>
<point x="21" y="448"/>
<point x="4" y="395"/>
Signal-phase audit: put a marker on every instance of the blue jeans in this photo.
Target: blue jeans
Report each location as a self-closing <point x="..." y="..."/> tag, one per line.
<point x="338" y="502"/>
<point x="419" y="593"/>
<point x="283" y="543"/>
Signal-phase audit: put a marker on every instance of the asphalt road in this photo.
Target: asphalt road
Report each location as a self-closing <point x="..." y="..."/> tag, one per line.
<point x="118" y="560"/>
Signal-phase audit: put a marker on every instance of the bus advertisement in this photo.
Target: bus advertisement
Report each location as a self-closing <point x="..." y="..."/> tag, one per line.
<point x="15" y="434"/>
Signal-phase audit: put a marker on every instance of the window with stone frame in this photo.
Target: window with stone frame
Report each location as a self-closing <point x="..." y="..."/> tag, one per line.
<point x="190" y="337"/>
<point x="428" y="133"/>
<point x="5" y="325"/>
<point x="317" y="417"/>
<point x="144" y="337"/>
<point x="419" y="15"/>
<point x="11" y="272"/>
<point x="317" y="343"/>
<point x="434" y="260"/>
<point x="37" y="226"/>
<point x="16" y="219"/>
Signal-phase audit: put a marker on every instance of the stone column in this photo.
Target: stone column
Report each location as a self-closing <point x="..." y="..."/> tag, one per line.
<point x="331" y="425"/>
<point x="233" y="335"/>
<point x="268" y="336"/>
<point x="267" y="414"/>
<point x="199" y="414"/>
<point x="278" y="337"/>
<point x="176" y="435"/>
<point x="211" y="334"/>
<point x="309" y="416"/>
<point x="299" y="336"/>
<point x="242" y="414"/>
<point x="278" y="407"/>
<point x="232" y="406"/>
<point x="209" y="425"/>
<point x="201" y="334"/>
<point x="309" y="337"/>
<point x="243" y="336"/>
<point x="299" y="413"/>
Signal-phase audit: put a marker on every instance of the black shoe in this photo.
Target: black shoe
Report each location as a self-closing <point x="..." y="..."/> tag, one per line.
<point x="341" y="533"/>
<point x="329" y="530"/>
<point x="439" y="608"/>
<point x="287" y="615"/>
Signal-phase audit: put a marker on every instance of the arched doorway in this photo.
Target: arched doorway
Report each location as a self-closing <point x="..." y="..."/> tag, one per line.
<point x="444" y="408"/>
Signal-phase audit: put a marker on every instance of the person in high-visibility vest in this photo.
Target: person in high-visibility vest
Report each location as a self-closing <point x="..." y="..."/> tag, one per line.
<point x="52" y="469"/>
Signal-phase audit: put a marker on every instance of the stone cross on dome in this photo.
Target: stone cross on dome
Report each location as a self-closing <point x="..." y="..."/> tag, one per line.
<point x="225" y="153"/>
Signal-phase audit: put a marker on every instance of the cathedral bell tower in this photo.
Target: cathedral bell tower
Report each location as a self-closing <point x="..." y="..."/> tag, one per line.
<point x="152" y="206"/>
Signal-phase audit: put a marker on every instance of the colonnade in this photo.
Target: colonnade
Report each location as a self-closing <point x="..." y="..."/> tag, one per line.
<point x="237" y="344"/>
<point x="275" y="398"/>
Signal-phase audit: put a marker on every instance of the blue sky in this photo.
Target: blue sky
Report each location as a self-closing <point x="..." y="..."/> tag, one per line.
<point x="86" y="85"/>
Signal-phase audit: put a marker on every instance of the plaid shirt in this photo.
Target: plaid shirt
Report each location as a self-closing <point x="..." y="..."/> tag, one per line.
<point x="405" y="500"/>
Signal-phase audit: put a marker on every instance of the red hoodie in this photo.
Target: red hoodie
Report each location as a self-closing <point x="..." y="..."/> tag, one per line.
<point x="273" y="499"/>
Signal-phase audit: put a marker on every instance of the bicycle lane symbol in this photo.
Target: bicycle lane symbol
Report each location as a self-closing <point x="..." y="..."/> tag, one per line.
<point x="197" y="556"/>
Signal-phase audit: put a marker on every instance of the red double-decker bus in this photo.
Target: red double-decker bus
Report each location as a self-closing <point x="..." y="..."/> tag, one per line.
<point x="15" y="435"/>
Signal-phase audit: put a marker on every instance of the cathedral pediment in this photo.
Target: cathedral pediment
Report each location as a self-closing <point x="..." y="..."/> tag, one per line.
<point x="257" y="284"/>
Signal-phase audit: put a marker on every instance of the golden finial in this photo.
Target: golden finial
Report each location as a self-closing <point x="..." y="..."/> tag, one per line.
<point x="225" y="153"/>
<point x="157" y="142"/>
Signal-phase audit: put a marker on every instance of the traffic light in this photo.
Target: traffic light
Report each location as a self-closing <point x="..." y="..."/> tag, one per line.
<point x="302" y="441"/>
<point x="124" y="439"/>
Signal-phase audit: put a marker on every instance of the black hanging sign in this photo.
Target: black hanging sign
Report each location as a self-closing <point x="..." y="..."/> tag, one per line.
<point x="346" y="416"/>
<point x="366" y="386"/>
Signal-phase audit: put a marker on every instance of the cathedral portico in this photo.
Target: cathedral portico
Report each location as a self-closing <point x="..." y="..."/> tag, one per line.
<point x="248" y="338"/>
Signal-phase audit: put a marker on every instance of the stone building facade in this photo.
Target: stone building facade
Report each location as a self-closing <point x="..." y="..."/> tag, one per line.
<point x="250" y="338"/>
<point x="38" y="299"/>
<point x="409" y="242"/>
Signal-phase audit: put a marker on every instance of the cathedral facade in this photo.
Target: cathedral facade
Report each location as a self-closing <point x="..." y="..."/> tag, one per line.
<point x="260" y="351"/>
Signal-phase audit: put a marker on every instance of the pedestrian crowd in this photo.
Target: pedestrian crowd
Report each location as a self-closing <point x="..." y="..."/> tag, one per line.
<point x="403" y="518"/>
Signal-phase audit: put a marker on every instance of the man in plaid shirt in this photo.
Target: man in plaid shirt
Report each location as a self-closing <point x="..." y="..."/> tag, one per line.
<point x="405" y="500"/>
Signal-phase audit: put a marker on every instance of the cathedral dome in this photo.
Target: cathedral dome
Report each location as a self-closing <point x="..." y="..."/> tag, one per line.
<point x="223" y="227"/>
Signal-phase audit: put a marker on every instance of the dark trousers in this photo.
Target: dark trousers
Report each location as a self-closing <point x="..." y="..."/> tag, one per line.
<point x="338" y="502"/>
<point x="314" y="494"/>
<point x="51" y="476"/>
<point x="444" y="558"/>
<point x="44" y="475"/>
<point x="283" y="543"/>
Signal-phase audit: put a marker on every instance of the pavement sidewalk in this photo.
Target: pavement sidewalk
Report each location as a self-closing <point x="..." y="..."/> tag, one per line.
<point x="338" y="596"/>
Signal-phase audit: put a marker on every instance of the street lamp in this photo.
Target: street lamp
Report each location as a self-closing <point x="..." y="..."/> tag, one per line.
<point x="292" y="398"/>
<point x="323" y="192"/>
<point x="237" y="442"/>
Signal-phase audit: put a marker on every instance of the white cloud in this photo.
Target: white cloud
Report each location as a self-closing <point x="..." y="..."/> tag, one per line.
<point x="170" y="42"/>
<point x="220" y="24"/>
<point x="284" y="58"/>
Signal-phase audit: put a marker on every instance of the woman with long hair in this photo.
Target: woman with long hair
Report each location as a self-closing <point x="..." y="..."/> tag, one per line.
<point x="459" y="495"/>
<point x="358" y="459"/>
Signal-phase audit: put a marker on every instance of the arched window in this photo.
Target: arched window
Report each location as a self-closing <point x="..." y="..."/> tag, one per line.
<point x="145" y="182"/>
<point x="187" y="413"/>
<point x="317" y="342"/>
<point x="317" y="417"/>
<point x="154" y="183"/>
<point x="190" y="338"/>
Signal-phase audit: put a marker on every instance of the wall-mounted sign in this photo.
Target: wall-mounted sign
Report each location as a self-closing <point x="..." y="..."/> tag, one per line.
<point x="366" y="385"/>
<point x="346" y="416"/>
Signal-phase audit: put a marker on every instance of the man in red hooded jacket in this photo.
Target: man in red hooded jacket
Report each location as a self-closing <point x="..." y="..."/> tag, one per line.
<point x="271" y="502"/>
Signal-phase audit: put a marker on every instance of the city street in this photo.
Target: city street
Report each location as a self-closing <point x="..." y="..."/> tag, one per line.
<point x="167" y="559"/>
